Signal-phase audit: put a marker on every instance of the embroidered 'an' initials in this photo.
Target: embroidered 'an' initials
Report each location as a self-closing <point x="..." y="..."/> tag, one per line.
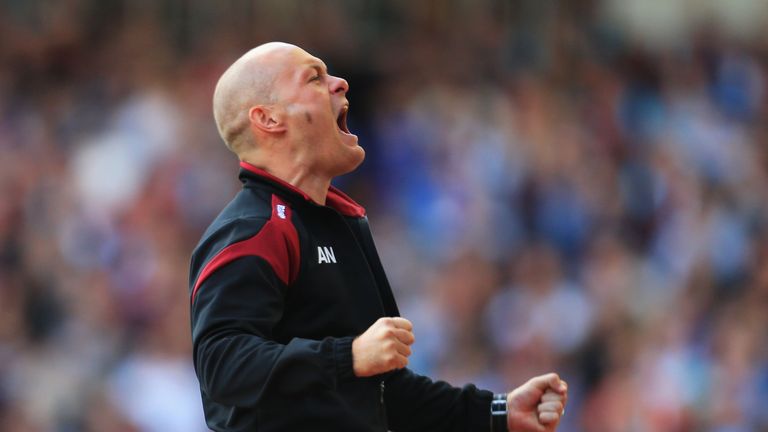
<point x="325" y="255"/>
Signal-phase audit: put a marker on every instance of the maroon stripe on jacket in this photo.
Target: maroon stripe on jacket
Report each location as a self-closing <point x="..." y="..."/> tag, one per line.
<point x="277" y="243"/>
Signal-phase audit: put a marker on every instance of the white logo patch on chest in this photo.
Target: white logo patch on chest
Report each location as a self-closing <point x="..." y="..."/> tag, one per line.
<point x="325" y="255"/>
<point x="281" y="211"/>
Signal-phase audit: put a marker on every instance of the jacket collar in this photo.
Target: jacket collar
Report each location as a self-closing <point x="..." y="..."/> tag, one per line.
<point x="335" y="199"/>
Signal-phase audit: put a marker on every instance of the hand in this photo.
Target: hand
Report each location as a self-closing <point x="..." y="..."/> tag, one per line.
<point x="537" y="405"/>
<point x="385" y="346"/>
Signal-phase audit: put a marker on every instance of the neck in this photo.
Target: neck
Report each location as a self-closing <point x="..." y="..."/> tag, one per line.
<point x="314" y="185"/>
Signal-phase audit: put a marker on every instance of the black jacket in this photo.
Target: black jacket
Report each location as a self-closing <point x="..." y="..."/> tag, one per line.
<point x="279" y="288"/>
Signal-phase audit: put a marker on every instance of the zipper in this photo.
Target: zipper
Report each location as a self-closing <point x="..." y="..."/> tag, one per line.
<point x="374" y="263"/>
<point x="382" y="393"/>
<point x="382" y="406"/>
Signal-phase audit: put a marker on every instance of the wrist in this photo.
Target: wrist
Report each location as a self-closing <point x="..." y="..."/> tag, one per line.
<point x="499" y="413"/>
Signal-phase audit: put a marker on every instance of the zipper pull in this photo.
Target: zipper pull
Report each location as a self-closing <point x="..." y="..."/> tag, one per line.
<point x="382" y="392"/>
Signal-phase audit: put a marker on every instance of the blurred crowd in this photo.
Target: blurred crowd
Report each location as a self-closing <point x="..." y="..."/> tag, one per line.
<point x="572" y="186"/>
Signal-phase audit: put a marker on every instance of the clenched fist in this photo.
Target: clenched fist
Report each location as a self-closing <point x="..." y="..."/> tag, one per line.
<point x="385" y="346"/>
<point x="537" y="405"/>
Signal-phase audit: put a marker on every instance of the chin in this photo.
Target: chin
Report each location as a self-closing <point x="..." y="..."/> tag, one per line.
<point x="352" y="160"/>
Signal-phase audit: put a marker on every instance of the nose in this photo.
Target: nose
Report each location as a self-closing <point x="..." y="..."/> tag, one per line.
<point x="339" y="85"/>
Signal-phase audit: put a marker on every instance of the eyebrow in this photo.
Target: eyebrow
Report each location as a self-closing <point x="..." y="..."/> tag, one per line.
<point x="320" y="67"/>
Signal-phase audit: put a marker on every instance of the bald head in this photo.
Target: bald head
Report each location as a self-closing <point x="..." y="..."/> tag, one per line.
<point x="249" y="81"/>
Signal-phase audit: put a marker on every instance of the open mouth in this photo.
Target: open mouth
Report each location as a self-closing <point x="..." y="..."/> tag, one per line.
<point x="341" y="120"/>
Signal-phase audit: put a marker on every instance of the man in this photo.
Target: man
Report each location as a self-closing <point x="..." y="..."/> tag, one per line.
<point x="294" y="324"/>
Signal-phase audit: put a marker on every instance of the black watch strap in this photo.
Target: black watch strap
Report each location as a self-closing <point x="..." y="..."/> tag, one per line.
<point x="499" y="413"/>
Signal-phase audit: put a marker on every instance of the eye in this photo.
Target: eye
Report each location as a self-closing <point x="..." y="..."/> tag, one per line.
<point x="315" y="78"/>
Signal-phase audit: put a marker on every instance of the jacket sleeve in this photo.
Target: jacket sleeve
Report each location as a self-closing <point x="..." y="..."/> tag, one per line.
<point x="416" y="403"/>
<point x="234" y="312"/>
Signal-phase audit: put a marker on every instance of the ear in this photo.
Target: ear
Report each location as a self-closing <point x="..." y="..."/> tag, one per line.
<point x="266" y="118"/>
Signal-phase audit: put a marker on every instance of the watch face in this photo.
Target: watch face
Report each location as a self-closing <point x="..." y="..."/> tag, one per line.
<point x="498" y="408"/>
<point x="499" y="405"/>
<point x="499" y="413"/>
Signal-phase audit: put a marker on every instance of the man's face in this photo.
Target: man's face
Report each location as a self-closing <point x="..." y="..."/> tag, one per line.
<point x="315" y="110"/>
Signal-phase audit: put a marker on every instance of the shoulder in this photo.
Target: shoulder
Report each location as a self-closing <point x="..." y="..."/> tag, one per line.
<point x="267" y="232"/>
<point x="249" y="204"/>
<point x="251" y="213"/>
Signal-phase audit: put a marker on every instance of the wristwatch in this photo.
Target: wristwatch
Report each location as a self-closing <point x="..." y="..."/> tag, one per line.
<point x="499" y="413"/>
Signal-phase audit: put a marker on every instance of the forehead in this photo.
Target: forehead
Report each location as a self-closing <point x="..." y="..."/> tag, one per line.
<point x="297" y="61"/>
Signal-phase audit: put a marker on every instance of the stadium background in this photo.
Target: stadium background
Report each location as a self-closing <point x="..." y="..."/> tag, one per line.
<point x="576" y="186"/>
